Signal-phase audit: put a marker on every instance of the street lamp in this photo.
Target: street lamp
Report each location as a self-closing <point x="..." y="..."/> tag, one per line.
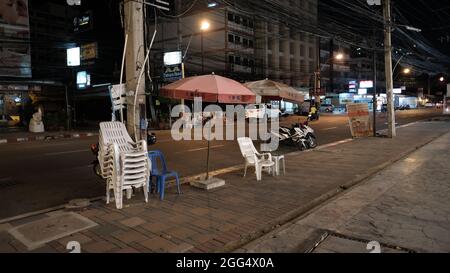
<point x="339" y="56"/>
<point x="441" y="79"/>
<point x="407" y="71"/>
<point x="204" y="26"/>
<point x="317" y="82"/>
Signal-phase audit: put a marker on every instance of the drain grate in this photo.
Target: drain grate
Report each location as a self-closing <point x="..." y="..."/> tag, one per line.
<point x="331" y="242"/>
<point x="8" y="182"/>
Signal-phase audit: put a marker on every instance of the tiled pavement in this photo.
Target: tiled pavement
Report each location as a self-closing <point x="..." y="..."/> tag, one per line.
<point x="199" y="221"/>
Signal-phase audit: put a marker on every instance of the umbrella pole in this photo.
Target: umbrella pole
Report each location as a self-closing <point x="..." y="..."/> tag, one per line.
<point x="207" y="157"/>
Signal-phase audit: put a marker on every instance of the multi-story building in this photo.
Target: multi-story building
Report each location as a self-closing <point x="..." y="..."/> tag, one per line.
<point x="242" y="45"/>
<point x="43" y="34"/>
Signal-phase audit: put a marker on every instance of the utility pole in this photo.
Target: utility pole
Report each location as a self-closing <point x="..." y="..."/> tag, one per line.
<point x="331" y="65"/>
<point x="375" y="78"/>
<point x="388" y="68"/>
<point x="135" y="55"/>
<point x="317" y="80"/>
<point x="374" y="102"/>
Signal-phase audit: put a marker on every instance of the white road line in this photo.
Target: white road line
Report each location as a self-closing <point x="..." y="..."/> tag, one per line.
<point x="202" y="149"/>
<point x="331" y="128"/>
<point x="68" y="152"/>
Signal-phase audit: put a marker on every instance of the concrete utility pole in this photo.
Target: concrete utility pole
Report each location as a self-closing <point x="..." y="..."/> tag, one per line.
<point x="332" y="65"/>
<point x="135" y="55"/>
<point x="388" y="69"/>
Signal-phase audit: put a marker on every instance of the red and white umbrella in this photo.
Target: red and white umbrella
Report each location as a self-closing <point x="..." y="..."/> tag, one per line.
<point x="211" y="88"/>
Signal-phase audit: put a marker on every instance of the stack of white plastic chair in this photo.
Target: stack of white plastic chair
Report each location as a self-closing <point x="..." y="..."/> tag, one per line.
<point x="254" y="158"/>
<point x="124" y="163"/>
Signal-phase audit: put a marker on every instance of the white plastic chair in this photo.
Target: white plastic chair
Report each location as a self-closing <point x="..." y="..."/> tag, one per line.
<point x="124" y="163"/>
<point x="254" y="158"/>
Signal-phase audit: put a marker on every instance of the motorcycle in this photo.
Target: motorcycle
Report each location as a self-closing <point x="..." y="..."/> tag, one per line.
<point x="307" y="133"/>
<point x="300" y="135"/>
<point x="151" y="140"/>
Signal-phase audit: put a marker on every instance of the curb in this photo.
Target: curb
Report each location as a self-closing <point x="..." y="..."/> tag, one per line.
<point x="304" y="210"/>
<point x="46" y="137"/>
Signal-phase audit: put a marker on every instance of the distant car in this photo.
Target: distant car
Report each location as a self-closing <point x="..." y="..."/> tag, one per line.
<point x="430" y="105"/>
<point x="261" y="111"/>
<point x="326" y="108"/>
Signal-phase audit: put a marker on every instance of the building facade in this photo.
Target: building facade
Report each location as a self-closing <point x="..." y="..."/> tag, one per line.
<point x="242" y="45"/>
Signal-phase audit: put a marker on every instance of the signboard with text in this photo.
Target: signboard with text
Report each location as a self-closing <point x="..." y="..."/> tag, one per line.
<point x="366" y="84"/>
<point x="89" y="51"/>
<point x="173" y="73"/>
<point x="359" y="118"/>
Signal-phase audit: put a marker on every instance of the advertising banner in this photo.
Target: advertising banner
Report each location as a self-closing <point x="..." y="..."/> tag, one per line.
<point x="15" y="57"/>
<point x="358" y="114"/>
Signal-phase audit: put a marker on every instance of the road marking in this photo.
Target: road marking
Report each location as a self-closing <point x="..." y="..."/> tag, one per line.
<point x="331" y="128"/>
<point x="202" y="149"/>
<point x="68" y="152"/>
<point x="334" y="144"/>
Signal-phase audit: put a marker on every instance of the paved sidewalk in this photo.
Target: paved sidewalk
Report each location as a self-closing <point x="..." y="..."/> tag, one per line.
<point x="405" y="208"/>
<point x="15" y="137"/>
<point x="244" y="209"/>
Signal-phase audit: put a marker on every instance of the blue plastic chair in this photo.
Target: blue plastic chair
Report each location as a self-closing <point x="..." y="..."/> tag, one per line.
<point x="161" y="173"/>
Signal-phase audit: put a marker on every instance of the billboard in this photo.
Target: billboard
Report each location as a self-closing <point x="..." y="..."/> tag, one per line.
<point x="358" y="114"/>
<point x="15" y="56"/>
<point x="366" y="84"/>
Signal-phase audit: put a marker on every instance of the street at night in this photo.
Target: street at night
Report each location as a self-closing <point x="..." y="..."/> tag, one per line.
<point x="251" y="128"/>
<point x="59" y="171"/>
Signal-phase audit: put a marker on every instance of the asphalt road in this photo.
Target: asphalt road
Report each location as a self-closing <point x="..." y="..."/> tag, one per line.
<point x="38" y="175"/>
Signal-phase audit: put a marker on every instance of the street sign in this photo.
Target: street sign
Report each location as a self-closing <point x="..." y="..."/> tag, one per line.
<point x="173" y="72"/>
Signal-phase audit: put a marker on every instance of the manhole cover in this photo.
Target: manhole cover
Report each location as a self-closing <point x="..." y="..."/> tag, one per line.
<point x="37" y="233"/>
<point x="339" y="243"/>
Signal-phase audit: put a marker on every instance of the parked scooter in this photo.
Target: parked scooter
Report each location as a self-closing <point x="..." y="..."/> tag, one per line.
<point x="300" y="135"/>
<point x="151" y="140"/>
<point x="307" y="133"/>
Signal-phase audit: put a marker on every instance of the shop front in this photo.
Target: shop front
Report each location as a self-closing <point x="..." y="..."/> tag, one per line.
<point x="14" y="106"/>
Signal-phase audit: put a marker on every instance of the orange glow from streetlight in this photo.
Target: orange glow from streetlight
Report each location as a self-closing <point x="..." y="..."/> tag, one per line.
<point x="407" y="71"/>
<point x="441" y="79"/>
<point x="339" y="56"/>
<point x="204" y="25"/>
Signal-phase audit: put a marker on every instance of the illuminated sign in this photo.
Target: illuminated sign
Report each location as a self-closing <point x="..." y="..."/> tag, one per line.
<point x="83" y="80"/>
<point x="352" y="86"/>
<point x="173" y="58"/>
<point x="83" y="22"/>
<point x="73" y="56"/>
<point x="89" y="51"/>
<point x="362" y="91"/>
<point x="366" y="84"/>
<point x="397" y="90"/>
